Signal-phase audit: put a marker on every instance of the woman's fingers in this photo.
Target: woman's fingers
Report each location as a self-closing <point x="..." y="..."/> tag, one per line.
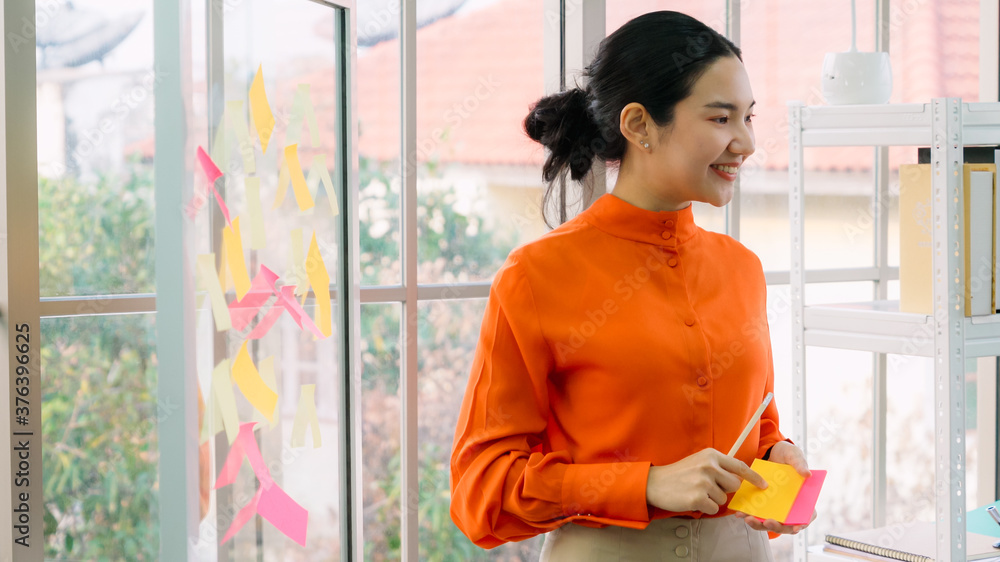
<point x="740" y="468"/>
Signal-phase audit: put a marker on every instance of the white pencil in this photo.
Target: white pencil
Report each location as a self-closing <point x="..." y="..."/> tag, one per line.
<point x="753" y="421"/>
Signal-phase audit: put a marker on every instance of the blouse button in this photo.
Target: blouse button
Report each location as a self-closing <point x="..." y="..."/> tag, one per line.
<point x="702" y="381"/>
<point x="681" y="531"/>
<point x="672" y="262"/>
<point x="669" y="223"/>
<point x="689" y="321"/>
<point x="667" y="235"/>
<point x="681" y="551"/>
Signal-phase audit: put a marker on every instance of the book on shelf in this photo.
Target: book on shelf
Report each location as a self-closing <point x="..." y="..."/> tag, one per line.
<point x="912" y="542"/>
<point x="916" y="278"/>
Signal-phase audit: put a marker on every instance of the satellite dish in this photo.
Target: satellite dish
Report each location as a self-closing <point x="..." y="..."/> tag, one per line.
<point x="74" y="37"/>
<point x="378" y="20"/>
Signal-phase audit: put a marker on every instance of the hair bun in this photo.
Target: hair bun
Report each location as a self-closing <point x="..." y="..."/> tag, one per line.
<point x="562" y="124"/>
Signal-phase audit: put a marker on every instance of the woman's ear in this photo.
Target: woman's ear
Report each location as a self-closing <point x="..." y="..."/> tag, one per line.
<point x="636" y="126"/>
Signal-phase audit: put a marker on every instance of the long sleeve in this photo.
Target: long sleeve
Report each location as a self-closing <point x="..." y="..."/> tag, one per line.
<point x="506" y="485"/>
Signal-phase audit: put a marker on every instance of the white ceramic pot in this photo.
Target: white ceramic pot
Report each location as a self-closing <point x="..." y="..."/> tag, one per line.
<point x="856" y="78"/>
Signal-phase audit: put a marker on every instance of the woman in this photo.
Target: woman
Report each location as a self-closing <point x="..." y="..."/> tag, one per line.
<point x="621" y="352"/>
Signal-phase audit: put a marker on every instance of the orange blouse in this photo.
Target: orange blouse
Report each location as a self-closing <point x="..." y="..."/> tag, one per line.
<point x="622" y="339"/>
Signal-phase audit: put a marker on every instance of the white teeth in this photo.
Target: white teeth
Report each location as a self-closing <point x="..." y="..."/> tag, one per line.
<point x="727" y="169"/>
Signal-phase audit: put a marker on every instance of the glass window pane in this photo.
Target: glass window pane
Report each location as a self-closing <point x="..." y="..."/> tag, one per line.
<point x="95" y="82"/>
<point x="782" y="68"/>
<point x="479" y="175"/>
<point x="378" y="104"/>
<point x="712" y="13"/>
<point x="380" y="431"/>
<point x="453" y="326"/>
<point x="277" y="105"/>
<point x="99" y="429"/>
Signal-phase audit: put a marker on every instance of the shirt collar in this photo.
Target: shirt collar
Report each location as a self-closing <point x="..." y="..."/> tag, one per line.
<point x="624" y="220"/>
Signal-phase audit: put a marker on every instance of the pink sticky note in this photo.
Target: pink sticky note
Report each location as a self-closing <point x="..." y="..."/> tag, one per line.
<point x="805" y="503"/>
<point x="298" y="314"/>
<point x="284" y="513"/>
<point x="243" y="311"/>
<point x="267" y="322"/>
<point x="287" y="299"/>
<point x="244" y="446"/>
<point x="212" y="173"/>
<point x="248" y="511"/>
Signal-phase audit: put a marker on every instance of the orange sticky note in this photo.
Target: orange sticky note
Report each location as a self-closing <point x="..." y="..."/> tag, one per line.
<point x="783" y="485"/>
<point x="262" y="117"/>
<point x="234" y="258"/>
<point x="319" y="279"/>
<point x="247" y="378"/>
<point x="299" y="186"/>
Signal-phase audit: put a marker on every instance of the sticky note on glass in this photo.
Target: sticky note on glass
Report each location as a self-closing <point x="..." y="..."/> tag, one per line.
<point x="248" y="379"/>
<point x="263" y="119"/>
<point x="789" y="498"/>
<point x="234" y="256"/>
<point x="299" y="186"/>
<point x="319" y="279"/>
<point x="302" y="110"/>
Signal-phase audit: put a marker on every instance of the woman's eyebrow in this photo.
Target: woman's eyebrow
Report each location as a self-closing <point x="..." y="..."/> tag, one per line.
<point x="727" y="106"/>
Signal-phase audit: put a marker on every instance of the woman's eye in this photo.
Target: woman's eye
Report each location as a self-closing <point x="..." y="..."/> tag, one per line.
<point x="721" y="120"/>
<point x="751" y="116"/>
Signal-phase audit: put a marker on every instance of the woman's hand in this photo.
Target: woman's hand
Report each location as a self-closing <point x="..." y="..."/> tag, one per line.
<point x="785" y="453"/>
<point x="699" y="482"/>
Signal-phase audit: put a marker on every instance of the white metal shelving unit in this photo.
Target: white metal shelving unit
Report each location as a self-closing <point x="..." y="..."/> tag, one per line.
<point x="946" y="125"/>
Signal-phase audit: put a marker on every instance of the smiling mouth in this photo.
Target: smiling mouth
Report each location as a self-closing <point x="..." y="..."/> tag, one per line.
<point x="727" y="169"/>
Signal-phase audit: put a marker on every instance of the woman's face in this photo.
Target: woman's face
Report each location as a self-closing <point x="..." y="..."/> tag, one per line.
<point x="697" y="156"/>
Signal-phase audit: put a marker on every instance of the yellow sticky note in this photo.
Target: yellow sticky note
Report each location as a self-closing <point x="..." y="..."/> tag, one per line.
<point x="245" y="375"/>
<point x="225" y="400"/>
<point x="234" y="257"/>
<point x="266" y="370"/>
<point x="306" y="412"/>
<point x="319" y="279"/>
<point x="302" y="110"/>
<point x="283" y="180"/>
<point x="210" y="283"/>
<point x="238" y="123"/>
<point x="319" y="171"/>
<point x="299" y="186"/>
<point x="263" y="119"/>
<point x="255" y="213"/>
<point x="783" y="485"/>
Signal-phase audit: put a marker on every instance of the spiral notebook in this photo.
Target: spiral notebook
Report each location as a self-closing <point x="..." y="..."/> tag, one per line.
<point x="913" y="542"/>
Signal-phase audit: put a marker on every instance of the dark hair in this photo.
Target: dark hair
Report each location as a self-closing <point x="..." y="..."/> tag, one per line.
<point x="654" y="59"/>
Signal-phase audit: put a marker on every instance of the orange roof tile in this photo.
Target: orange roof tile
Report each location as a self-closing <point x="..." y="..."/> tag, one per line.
<point x="478" y="72"/>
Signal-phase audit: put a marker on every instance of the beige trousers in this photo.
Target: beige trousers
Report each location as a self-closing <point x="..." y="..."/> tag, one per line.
<point x="722" y="539"/>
